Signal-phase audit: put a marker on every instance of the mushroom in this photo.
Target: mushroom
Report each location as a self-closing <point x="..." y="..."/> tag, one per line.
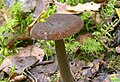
<point x="57" y="27"/>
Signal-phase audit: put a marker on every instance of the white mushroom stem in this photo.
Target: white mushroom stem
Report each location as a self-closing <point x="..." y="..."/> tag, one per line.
<point x="62" y="61"/>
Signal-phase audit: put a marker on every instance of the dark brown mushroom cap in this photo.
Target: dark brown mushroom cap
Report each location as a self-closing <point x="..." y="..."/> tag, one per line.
<point x="56" y="27"/>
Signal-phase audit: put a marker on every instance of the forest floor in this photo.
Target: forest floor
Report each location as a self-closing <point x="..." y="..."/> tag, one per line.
<point x="93" y="53"/>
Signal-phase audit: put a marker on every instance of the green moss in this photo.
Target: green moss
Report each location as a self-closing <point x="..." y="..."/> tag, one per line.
<point x="91" y="46"/>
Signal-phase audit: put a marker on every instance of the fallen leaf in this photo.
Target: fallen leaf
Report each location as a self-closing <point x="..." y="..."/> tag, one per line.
<point x="76" y="68"/>
<point x="42" y="77"/>
<point x="87" y="72"/>
<point x="48" y="68"/>
<point x="19" y="63"/>
<point x="67" y="9"/>
<point x="31" y="50"/>
<point x="92" y="68"/>
<point x="45" y="72"/>
<point x="89" y="6"/>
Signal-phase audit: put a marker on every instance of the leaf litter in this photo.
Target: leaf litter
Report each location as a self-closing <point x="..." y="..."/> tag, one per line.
<point x="28" y="62"/>
<point x="30" y="58"/>
<point x="31" y="50"/>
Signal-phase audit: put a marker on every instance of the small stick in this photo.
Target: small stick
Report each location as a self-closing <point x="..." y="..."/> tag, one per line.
<point x="19" y="78"/>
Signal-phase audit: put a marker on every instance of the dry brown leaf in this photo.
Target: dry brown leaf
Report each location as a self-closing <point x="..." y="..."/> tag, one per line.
<point x="47" y="68"/>
<point x="67" y="9"/>
<point x="20" y="63"/>
<point x="31" y="50"/>
<point x="43" y="73"/>
<point x="83" y="72"/>
<point x="92" y="68"/>
<point x="89" y="6"/>
<point x="87" y="72"/>
<point x="76" y="68"/>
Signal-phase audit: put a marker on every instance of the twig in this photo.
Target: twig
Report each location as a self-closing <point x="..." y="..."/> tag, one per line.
<point x="19" y="78"/>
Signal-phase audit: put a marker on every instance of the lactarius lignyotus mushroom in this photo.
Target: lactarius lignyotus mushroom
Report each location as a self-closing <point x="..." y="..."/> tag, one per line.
<point x="57" y="27"/>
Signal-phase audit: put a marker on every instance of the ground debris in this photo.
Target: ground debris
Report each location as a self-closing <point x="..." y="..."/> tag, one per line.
<point x="45" y="72"/>
<point x="19" y="63"/>
<point x="31" y="50"/>
<point x="89" y="72"/>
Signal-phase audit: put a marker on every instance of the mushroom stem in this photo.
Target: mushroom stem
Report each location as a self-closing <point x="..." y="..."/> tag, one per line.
<point x="62" y="61"/>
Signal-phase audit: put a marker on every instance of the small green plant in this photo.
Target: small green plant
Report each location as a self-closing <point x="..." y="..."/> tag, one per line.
<point x="15" y="24"/>
<point x="1" y="4"/>
<point x="4" y="51"/>
<point x="90" y="49"/>
<point x="19" y="19"/>
<point x="109" y="9"/>
<point x="12" y="70"/>
<point x="73" y="2"/>
<point x="114" y="62"/>
<point x="4" y="80"/>
<point x="71" y="46"/>
<point x="113" y="78"/>
<point x="48" y="47"/>
<point x="104" y="30"/>
<point x="91" y="46"/>
<point x="85" y="17"/>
